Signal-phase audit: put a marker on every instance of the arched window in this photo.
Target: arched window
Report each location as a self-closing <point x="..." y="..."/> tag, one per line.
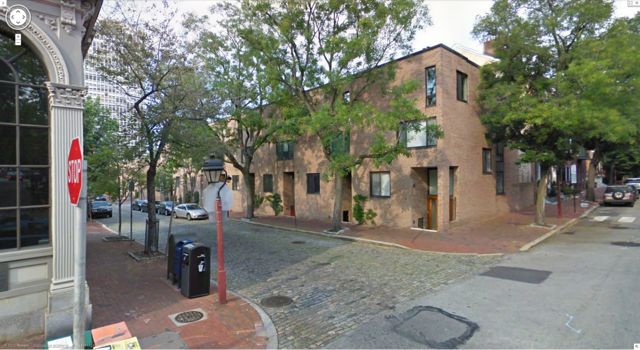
<point x="24" y="147"/>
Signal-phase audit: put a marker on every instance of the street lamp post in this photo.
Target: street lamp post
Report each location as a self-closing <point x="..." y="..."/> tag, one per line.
<point x="131" y="188"/>
<point x="214" y="172"/>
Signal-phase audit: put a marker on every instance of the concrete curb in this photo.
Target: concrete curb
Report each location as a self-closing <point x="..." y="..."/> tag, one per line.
<point x="363" y="240"/>
<point x="528" y="246"/>
<point x="269" y="327"/>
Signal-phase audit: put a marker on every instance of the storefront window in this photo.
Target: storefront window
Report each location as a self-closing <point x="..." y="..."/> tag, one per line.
<point x="24" y="160"/>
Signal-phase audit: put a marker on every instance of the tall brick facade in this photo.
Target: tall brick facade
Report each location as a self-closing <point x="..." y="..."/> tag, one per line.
<point x="458" y="155"/>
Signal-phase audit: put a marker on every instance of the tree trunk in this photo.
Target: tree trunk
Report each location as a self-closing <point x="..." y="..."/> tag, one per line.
<point x="612" y="174"/>
<point x="119" y="204"/>
<point x="540" y="196"/>
<point x="152" y="235"/>
<point x="337" y="204"/>
<point x="591" y="177"/>
<point x="250" y="191"/>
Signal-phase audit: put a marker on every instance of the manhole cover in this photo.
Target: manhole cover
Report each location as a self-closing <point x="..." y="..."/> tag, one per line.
<point x="433" y="327"/>
<point x="626" y="244"/>
<point x="298" y="242"/>
<point x="276" y="301"/>
<point x="189" y="316"/>
<point x="517" y="274"/>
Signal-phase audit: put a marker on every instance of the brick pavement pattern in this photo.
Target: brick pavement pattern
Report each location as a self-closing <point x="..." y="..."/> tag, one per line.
<point x="139" y="294"/>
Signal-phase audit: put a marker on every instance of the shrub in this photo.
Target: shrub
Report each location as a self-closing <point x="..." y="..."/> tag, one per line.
<point x="196" y="197"/>
<point x="276" y="203"/>
<point x="358" y="210"/>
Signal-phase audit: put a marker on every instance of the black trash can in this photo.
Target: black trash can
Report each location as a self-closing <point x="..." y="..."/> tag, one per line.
<point x="195" y="270"/>
<point x="177" y="258"/>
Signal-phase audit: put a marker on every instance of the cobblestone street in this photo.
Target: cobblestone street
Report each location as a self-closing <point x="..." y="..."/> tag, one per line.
<point x="335" y="285"/>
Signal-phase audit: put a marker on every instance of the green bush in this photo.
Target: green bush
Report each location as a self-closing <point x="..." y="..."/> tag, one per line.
<point x="276" y="203"/>
<point x="196" y="197"/>
<point x="258" y="200"/>
<point x="358" y="210"/>
<point x="187" y="197"/>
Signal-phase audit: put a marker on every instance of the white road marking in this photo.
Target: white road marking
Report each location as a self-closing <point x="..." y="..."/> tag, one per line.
<point x="627" y="219"/>
<point x="571" y="328"/>
<point x="600" y="218"/>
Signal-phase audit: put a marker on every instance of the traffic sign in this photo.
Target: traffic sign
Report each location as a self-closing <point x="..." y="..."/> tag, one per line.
<point x="74" y="171"/>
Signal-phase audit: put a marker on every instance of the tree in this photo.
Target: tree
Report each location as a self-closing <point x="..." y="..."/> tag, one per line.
<point x="100" y="148"/>
<point x="523" y="103"/>
<point x="236" y="81"/>
<point x="148" y="61"/>
<point x="324" y="51"/>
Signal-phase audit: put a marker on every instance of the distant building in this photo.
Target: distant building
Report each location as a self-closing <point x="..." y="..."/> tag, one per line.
<point x="458" y="178"/>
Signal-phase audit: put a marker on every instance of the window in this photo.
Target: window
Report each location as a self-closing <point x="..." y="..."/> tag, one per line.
<point x="486" y="161"/>
<point x="267" y="183"/>
<point x="430" y="85"/>
<point x="461" y="86"/>
<point x="284" y="150"/>
<point x="380" y="184"/>
<point x="234" y="182"/>
<point x="346" y="97"/>
<point x="499" y="168"/>
<point x="24" y="145"/>
<point x="313" y="183"/>
<point x="416" y="134"/>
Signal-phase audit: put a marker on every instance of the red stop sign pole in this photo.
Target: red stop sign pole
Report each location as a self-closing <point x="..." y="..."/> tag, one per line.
<point x="74" y="171"/>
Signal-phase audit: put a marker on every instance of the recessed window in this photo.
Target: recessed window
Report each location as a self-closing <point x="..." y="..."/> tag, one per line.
<point x="462" y="90"/>
<point x="418" y="134"/>
<point x="24" y="148"/>
<point x="430" y="85"/>
<point x="284" y="150"/>
<point x="267" y="183"/>
<point x="486" y="161"/>
<point x="499" y="169"/>
<point x="380" y="184"/>
<point x="234" y="182"/>
<point x="313" y="183"/>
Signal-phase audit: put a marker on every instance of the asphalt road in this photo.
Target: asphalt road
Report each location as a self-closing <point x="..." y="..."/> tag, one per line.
<point x="334" y="286"/>
<point x="580" y="290"/>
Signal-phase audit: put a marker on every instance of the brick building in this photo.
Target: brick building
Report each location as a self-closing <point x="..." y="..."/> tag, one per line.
<point x="452" y="180"/>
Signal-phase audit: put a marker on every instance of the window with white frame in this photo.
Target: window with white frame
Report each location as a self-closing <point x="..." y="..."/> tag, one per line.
<point x="380" y="184"/>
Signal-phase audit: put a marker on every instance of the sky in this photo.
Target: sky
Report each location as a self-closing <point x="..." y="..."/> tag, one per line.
<point x="452" y="20"/>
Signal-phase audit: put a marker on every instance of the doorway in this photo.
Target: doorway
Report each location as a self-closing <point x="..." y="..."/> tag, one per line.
<point x="432" y="199"/>
<point x="288" y="193"/>
<point x="346" y="198"/>
<point x="453" y="176"/>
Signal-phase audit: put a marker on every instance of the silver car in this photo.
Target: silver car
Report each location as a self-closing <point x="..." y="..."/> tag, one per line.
<point x="190" y="211"/>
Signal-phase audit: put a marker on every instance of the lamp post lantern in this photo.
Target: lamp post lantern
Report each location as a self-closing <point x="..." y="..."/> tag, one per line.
<point x="213" y="170"/>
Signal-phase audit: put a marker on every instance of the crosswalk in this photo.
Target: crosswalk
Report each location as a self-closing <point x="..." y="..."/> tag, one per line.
<point x="622" y="219"/>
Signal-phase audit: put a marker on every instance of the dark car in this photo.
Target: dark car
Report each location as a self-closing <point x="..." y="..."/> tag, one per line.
<point x="623" y="194"/>
<point x="145" y="208"/>
<point x="101" y="209"/>
<point x="138" y="204"/>
<point x="165" y="208"/>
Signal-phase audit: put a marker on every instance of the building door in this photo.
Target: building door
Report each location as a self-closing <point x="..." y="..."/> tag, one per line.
<point x="346" y="198"/>
<point x="288" y="193"/>
<point x="452" y="193"/>
<point x="432" y="199"/>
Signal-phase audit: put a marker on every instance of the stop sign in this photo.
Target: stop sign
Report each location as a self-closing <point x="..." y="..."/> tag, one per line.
<point x="74" y="171"/>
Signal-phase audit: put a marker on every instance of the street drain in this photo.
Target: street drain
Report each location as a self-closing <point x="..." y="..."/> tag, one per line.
<point x="298" y="242"/>
<point x="626" y="244"/>
<point x="433" y="327"/>
<point x="569" y="232"/>
<point x="618" y="227"/>
<point x="276" y="301"/>
<point x="189" y="316"/>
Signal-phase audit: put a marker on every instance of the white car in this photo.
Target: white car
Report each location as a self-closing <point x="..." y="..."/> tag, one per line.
<point x="190" y="211"/>
<point x="635" y="182"/>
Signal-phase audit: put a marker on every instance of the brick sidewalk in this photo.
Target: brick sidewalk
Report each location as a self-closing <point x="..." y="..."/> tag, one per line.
<point x="501" y="234"/>
<point x="138" y="293"/>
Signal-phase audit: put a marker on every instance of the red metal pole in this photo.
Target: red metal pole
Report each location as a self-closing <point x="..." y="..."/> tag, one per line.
<point x="222" y="275"/>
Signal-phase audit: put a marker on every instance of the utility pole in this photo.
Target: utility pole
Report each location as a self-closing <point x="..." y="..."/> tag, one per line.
<point x="79" y="318"/>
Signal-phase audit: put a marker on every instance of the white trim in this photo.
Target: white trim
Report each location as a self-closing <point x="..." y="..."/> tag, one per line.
<point x="423" y="229"/>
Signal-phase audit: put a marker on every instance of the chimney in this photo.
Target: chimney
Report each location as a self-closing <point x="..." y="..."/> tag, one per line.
<point x="489" y="49"/>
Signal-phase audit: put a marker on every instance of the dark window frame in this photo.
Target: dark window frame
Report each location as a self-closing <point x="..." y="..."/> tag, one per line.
<point x="430" y="142"/>
<point x="430" y="99"/>
<point x="280" y="154"/>
<point x="234" y="182"/>
<point x="486" y="163"/>
<point x="313" y="183"/>
<point x="499" y="169"/>
<point x="371" y="174"/>
<point x="462" y="92"/>
<point x="265" y="188"/>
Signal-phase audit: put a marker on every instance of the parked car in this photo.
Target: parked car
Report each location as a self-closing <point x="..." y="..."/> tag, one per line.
<point x="190" y="211"/>
<point x="101" y="197"/>
<point x="138" y="204"/>
<point x="635" y="182"/>
<point x="145" y="209"/>
<point x="622" y="194"/>
<point x="101" y="209"/>
<point x="165" y="208"/>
